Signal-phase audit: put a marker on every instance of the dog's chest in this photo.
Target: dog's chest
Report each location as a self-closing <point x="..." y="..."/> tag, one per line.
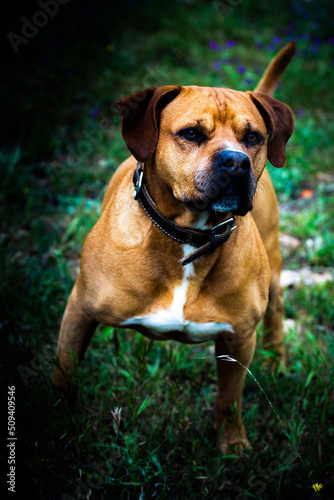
<point x="171" y="323"/>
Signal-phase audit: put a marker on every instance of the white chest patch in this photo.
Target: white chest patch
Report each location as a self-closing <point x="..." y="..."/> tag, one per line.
<point x="172" y="318"/>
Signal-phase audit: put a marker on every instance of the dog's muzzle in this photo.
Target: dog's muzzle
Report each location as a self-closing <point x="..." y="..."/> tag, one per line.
<point x="229" y="185"/>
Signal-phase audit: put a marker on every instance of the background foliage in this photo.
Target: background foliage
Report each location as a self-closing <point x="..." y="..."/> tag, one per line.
<point x="142" y="426"/>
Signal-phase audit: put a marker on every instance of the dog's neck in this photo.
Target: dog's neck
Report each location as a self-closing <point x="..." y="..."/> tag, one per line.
<point x="163" y="197"/>
<point x="204" y="239"/>
<point x="174" y="209"/>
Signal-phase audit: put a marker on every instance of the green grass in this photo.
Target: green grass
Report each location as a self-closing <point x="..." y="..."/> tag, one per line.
<point x="142" y="425"/>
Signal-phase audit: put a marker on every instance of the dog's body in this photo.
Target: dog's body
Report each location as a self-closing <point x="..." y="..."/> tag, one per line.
<point x="203" y="151"/>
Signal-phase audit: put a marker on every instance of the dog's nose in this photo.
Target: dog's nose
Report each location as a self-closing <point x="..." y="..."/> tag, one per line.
<point x="235" y="163"/>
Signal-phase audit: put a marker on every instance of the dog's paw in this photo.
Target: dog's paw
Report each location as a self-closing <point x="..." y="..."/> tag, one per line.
<point x="233" y="439"/>
<point x="64" y="385"/>
<point x="236" y="446"/>
<point x="274" y="358"/>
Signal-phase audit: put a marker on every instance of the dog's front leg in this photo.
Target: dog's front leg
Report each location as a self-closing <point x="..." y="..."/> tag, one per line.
<point x="75" y="334"/>
<point x="231" y="378"/>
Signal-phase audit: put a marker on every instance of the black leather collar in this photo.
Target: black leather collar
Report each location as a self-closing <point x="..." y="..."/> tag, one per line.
<point x="206" y="241"/>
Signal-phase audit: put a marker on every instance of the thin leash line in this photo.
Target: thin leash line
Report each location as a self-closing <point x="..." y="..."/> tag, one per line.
<point x="227" y="357"/>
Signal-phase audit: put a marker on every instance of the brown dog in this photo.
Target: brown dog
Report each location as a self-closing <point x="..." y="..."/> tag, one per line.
<point x="167" y="261"/>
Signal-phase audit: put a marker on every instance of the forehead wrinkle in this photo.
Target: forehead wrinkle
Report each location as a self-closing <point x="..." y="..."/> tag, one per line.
<point x="216" y="104"/>
<point x="221" y="104"/>
<point x="219" y="107"/>
<point x="225" y="110"/>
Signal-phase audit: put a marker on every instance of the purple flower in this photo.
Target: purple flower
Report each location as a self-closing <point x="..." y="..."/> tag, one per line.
<point x="288" y="32"/>
<point x="241" y="69"/>
<point x="277" y="39"/>
<point x="259" y="45"/>
<point x="331" y="41"/>
<point x="216" y="65"/>
<point x="249" y="81"/>
<point x="230" y="43"/>
<point x="299" y="112"/>
<point x="95" y="112"/>
<point x="212" y="44"/>
<point x="271" y="47"/>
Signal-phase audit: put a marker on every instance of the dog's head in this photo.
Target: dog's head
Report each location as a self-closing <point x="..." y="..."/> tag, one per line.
<point x="208" y="145"/>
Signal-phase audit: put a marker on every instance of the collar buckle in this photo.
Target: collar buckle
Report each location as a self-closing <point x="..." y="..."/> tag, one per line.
<point x="139" y="181"/>
<point x="218" y="226"/>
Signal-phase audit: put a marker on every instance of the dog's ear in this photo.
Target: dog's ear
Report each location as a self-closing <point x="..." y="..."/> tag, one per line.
<point x="279" y="120"/>
<point x="140" y="114"/>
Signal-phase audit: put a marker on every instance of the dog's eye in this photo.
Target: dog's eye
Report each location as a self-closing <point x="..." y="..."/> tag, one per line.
<point x="252" y="138"/>
<point x="192" y="134"/>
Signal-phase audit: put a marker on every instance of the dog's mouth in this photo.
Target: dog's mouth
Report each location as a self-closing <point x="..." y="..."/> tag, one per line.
<point x="223" y="193"/>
